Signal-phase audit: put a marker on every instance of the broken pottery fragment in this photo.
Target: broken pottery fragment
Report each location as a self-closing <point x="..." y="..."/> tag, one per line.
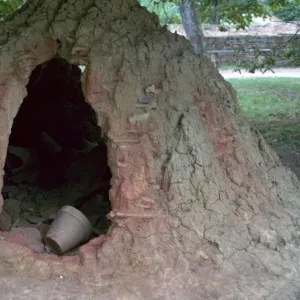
<point x="27" y="157"/>
<point x="49" y="144"/>
<point x="22" y="222"/>
<point x="12" y="207"/>
<point x="50" y="213"/>
<point x="34" y="219"/>
<point x="43" y="229"/>
<point x="28" y="206"/>
<point x="32" y="236"/>
<point x="152" y="89"/>
<point x="145" y="99"/>
<point x="5" y="221"/>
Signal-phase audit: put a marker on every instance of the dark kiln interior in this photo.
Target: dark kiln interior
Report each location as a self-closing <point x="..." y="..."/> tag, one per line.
<point x="56" y="155"/>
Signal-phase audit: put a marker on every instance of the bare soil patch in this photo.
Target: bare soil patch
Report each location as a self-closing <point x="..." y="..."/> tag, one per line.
<point x="289" y="156"/>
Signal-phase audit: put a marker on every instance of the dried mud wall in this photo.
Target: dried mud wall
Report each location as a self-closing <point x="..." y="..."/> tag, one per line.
<point x="202" y="208"/>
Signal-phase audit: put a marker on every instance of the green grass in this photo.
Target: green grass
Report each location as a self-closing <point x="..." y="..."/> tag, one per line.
<point x="273" y="105"/>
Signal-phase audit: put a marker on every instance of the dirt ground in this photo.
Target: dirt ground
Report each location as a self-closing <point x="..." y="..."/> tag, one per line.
<point x="17" y="288"/>
<point x="290" y="157"/>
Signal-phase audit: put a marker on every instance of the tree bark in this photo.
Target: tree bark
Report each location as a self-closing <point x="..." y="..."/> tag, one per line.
<point x="214" y="15"/>
<point x="192" y="26"/>
<point x="202" y="208"/>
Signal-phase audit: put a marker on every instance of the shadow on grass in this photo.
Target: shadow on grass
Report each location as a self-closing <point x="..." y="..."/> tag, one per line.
<point x="273" y="106"/>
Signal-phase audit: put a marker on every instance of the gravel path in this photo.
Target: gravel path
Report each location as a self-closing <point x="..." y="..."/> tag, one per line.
<point x="278" y="72"/>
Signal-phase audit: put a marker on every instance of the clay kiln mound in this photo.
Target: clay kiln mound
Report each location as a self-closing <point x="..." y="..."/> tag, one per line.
<point x="201" y="206"/>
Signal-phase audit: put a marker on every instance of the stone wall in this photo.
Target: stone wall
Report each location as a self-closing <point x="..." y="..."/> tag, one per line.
<point x="230" y="49"/>
<point x="223" y="46"/>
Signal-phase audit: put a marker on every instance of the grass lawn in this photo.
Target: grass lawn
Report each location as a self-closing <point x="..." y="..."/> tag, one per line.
<point x="273" y="106"/>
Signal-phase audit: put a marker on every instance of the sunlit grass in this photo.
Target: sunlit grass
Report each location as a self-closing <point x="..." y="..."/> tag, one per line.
<point x="273" y="105"/>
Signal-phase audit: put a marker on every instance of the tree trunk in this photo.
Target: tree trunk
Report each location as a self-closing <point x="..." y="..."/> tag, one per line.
<point x="191" y="25"/>
<point x="214" y="14"/>
<point x="202" y="208"/>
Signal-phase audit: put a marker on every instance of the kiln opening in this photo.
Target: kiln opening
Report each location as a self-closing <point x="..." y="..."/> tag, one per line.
<point x="56" y="155"/>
